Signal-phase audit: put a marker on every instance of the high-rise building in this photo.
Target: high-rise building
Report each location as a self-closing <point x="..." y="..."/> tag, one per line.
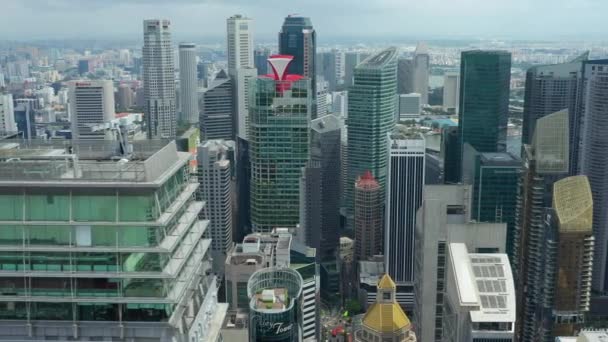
<point x="279" y="115"/>
<point x="25" y="118"/>
<point x="368" y="217"/>
<point x="403" y="198"/>
<point x="243" y="80"/>
<point x="405" y="76"/>
<point x="124" y="256"/>
<point x="385" y="320"/>
<point x="215" y="179"/>
<point x="551" y="88"/>
<point x="216" y="102"/>
<point x="125" y="97"/>
<point x="371" y="116"/>
<point x="159" y="79"/>
<point x="91" y="103"/>
<point x="445" y="217"/>
<point x="239" y="43"/>
<point x="422" y="65"/>
<point x="484" y="100"/>
<point x="494" y="176"/>
<point x="320" y="189"/>
<point x="321" y="98"/>
<point x="592" y="164"/>
<point x="84" y="66"/>
<point x="544" y="162"/>
<point x="188" y="83"/>
<point x="409" y="106"/>
<point x="260" y="56"/>
<point x="451" y="92"/>
<point x="298" y="39"/>
<point x="351" y="60"/>
<point x="479" y="297"/>
<point x="330" y="66"/>
<point x="450" y="154"/>
<point x="7" y="114"/>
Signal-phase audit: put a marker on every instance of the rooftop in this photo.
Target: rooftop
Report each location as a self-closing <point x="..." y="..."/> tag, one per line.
<point x="499" y="159"/>
<point x="326" y="123"/>
<point x="402" y="132"/>
<point x="386" y="316"/>
<point x="593" y="336"/>
<point x="573" y="204"/>
<point x="271" y="299"/>
<point x="380" y="59"/>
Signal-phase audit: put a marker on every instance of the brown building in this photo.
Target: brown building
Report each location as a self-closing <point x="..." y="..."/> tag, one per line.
<point x="368" y="213"/>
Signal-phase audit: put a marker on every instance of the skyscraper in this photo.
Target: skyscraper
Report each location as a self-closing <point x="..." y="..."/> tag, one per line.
<point x="242" y="80"/>
<point x="7" y="114"/>
<point x="239" y="43"/>
<point x="484" y="100"/>
<point x="91" y="103"/>
<point x="320" y="189"/>
<point x="405" y="76"/>
<point x="260" y="56"/>
<point x="217" y="121"/>
<point x="422" y="63"/>
<point x="451" y="93"/>
<point x="371" y="116"/>
<point x="188" y="83"/>
<point x="403" y="198"/>
<point x="215" y="188"/>
<point x="159" y="79"/>
<point x="592" y="163"/>
<point x="351" y="60"/>
<point x="368" y="217"/>
<point x="279" y="145"/>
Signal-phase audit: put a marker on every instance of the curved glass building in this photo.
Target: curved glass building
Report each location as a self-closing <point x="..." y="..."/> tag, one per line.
<point x="274" y="299"/>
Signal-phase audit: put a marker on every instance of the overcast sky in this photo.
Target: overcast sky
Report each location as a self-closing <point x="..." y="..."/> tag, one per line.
<point x="27" y="19"/>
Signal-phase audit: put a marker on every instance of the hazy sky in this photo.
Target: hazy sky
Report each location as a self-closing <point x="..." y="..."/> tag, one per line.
<point x="25" y="19"/>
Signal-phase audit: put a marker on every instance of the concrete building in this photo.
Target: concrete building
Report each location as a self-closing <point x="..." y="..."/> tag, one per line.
<point x="125" y="97"/>
<point x="7" y="114"/>
<point x="385" y="320"/>
<point x="321" y="98"/>
<point x="409" y="106"/>
<point x="370" y="273"/>
<point x="188" y="83"/>
<point x="260" y="56"/>
<point x="451" y="92"/>
<point x="351" y="60"/>
<point x="444" y="218"/>
<point x="368" y="217"/>
<point x="479" y="297"/>
<point x="405" y="76"/>
<point x="243" y="79"/>
<point x="239" y="42"/>
<point x="159" y="79"/>
<point x="404" y="191"/>
<point x="215" y="179"/>
<point x="422" y="66"/>
<point x="141" y="272"/>
<point x="217" y="109"/>
<point x="91" y="103"/>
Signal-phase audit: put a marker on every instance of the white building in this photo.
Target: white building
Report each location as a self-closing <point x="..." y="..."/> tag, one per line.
<point x="479" y="297"/>
<point x="443" y="218"/>
<point x="243" y="79"/>
<point x="7" y="114"/>
<point x="188" y="83"/>
<point x="422" y="62"/>
<point x="409" y="106"/>
<point x="339" y="104"/>
<point x="159" y="79"/>
<point x="451" y="92"/>
<point x="91" y="103"/>
<point x="239" y="43"/>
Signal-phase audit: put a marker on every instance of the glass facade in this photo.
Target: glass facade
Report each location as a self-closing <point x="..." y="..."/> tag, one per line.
<point x="279" y="147"/>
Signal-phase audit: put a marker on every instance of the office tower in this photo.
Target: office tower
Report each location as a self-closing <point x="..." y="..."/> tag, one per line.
<point x="494" y="176"/>
<point x="215" y="188"/>
<point x="351" y="60"/>
<point x="321" y="98"/>
<point x="244" y="78"/>
<point x="330" y="65"/>
<point x="243" y="188"/>
<point x="91" y="103"/>
<point x="368" y="217"/>
<point x="260" y="56"/>
<point x="409" y="106"/>
<point x="371" y="116"/>
<point x="339" y="104"/>
<point x="124" y="97"/>
<point x="298" y="39"/>
<point x="320" y="189"/>
<point x="84" y="66"/>
<point x="7" y="114"/>
<point x="545" y="162"/>
<point x="444" y="217"/>
<point x="405" y="76"/>
<point x="239" y="43"/>
<point x="551" y="88"/>
<point x="216" y="121"/>
<point x="275" y="296"/>
<point x="479" y="297"/>
<point x="188" y="83"/>
<point x="484" y="101"/>
<point x="279" y="115"/>
<point x="403" y="198"/>
<point x="450" y="154"/>
<point x="25" y="118"/>
<point x="125" y="255"/>
<point x="422" y="65"/>
<point x="568" y="259"/>
<point x="159" y="80"/>
<point x="202" y="74"/>
<point x="451" y="92"/>
<point x="385" y="320"/>
<point x="592" y="164"/>
<point x="279" y="249"/>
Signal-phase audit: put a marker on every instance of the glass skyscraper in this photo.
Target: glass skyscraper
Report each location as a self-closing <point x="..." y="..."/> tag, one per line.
<point x="371" y="116"/>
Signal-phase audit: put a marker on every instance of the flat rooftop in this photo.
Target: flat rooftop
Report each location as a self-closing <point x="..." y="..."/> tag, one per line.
<point x="499" y="159"/>
<point x="271" y="299"/>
